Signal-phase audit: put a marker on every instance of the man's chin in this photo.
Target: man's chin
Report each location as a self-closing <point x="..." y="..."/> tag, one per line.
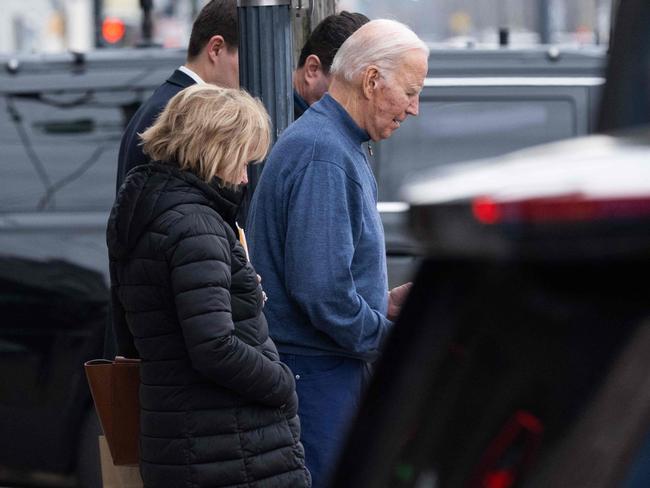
<point x="387" y="133"/>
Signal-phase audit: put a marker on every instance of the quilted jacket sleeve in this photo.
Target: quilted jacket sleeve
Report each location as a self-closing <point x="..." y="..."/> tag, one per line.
<point x="199" y="258"/>
<point x="118" y="340"/>
<point x="123" y="338"/>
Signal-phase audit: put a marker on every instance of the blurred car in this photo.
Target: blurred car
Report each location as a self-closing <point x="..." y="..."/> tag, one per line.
<point x="521" y="356"/>
<point x="53" y="318"/>
<point x="516" y="348"/>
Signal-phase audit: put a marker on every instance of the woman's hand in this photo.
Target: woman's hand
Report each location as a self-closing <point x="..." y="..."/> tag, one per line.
<point x="259" y="282"/>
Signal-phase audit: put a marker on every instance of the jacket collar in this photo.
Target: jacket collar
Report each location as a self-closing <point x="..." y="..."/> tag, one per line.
<point x="149" y="190"/>
<point x="179" y="78"/>
<point x="224" y="200"/>
<point x="300" y="106"/>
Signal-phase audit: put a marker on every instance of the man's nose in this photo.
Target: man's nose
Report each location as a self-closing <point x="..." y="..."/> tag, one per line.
<point x="414" y="107"/>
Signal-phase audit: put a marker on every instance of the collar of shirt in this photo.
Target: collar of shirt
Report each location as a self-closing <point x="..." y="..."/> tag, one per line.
<point x="192" y="74"/>
<point x="343" y="118"/>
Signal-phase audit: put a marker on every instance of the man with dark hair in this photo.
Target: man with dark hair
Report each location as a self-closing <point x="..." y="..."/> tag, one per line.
<point x="312" y="77"/>
<point x="212" y="57"/>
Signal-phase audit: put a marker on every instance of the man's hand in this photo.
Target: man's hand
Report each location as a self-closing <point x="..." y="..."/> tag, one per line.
<point x="396" y="298"/>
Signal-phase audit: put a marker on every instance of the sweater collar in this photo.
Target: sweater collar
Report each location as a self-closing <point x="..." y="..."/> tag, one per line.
<point x="335" y="110"/>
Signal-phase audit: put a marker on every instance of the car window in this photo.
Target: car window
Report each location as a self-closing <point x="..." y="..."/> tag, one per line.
<point x="458" y="129"/>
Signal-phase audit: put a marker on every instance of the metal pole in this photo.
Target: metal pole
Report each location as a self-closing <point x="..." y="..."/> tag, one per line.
<point x="147" y="22"/>
<point x="98" y="16"/>
<point x="612" y="18"/>
<point x="544" y="13"/>
<point x="265" y="61"/>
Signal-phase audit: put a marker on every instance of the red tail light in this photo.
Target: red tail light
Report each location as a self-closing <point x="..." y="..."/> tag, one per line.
<point x="486" y="210"/>
<point x="568" y="208"/>
<point x="510" y="453"/>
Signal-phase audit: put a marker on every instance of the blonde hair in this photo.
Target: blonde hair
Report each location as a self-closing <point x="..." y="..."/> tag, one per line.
<point x="210" y="131"/>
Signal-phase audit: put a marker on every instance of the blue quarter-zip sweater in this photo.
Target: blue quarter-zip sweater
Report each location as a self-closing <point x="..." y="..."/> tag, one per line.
<point x="317" y="240"/>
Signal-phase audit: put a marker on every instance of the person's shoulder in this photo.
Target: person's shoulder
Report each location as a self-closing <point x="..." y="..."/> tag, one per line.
<point x="311" y="130"/>
<point x="296" y="142"/>
<point x="160" y="97"/>
<point x="333" y="146"/>
<point x="305" y="128"/>
<point x="150" y="108"/>
<point x="312" y="138"/>
<point x="191" y="219"/>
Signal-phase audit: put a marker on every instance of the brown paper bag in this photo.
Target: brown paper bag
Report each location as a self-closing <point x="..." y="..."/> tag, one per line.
<point x="114" y="386"/>
<point x="117" y="476"/>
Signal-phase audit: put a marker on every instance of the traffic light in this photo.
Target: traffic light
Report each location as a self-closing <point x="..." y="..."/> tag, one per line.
<point x="113" y="30"/>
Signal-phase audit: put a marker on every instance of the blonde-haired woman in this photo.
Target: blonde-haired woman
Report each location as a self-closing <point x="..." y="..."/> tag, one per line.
<point x="218" y="408"/>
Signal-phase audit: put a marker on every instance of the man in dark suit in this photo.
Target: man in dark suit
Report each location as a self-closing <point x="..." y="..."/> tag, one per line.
<point x="212" y="57"/>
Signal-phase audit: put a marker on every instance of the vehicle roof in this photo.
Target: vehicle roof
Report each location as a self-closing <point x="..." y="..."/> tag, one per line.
<point x="146" y="67"/>
<point x="101" y="69"/>
<point x="509" y="61"/>
<point x="593" y="166"/>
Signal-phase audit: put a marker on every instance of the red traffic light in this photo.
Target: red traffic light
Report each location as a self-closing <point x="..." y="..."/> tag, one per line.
<point x="113" y="30"/>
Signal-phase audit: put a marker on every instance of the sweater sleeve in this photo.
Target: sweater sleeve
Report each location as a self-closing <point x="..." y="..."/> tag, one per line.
<point x="323" y="224"/>
<point x="199" y="259"/>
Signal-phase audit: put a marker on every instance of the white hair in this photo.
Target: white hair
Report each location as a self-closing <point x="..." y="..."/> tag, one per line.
<point x="380" y="42"/>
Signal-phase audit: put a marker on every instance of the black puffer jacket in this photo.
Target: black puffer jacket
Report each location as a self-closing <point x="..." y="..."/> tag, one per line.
<point x="218" y="409"/>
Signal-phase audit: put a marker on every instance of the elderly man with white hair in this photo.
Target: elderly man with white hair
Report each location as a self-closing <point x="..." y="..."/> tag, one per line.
<point x="316" y="237"/>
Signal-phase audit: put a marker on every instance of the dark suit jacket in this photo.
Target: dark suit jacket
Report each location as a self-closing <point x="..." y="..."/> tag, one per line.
<point x="299" y="105"/>
<point x="131" y="154"/>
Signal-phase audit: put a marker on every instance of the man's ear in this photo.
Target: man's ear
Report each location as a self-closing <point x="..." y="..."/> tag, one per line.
<point x="312" y="67"/>
<point x="215" y="45"/>
<point x="369" y="81"/>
